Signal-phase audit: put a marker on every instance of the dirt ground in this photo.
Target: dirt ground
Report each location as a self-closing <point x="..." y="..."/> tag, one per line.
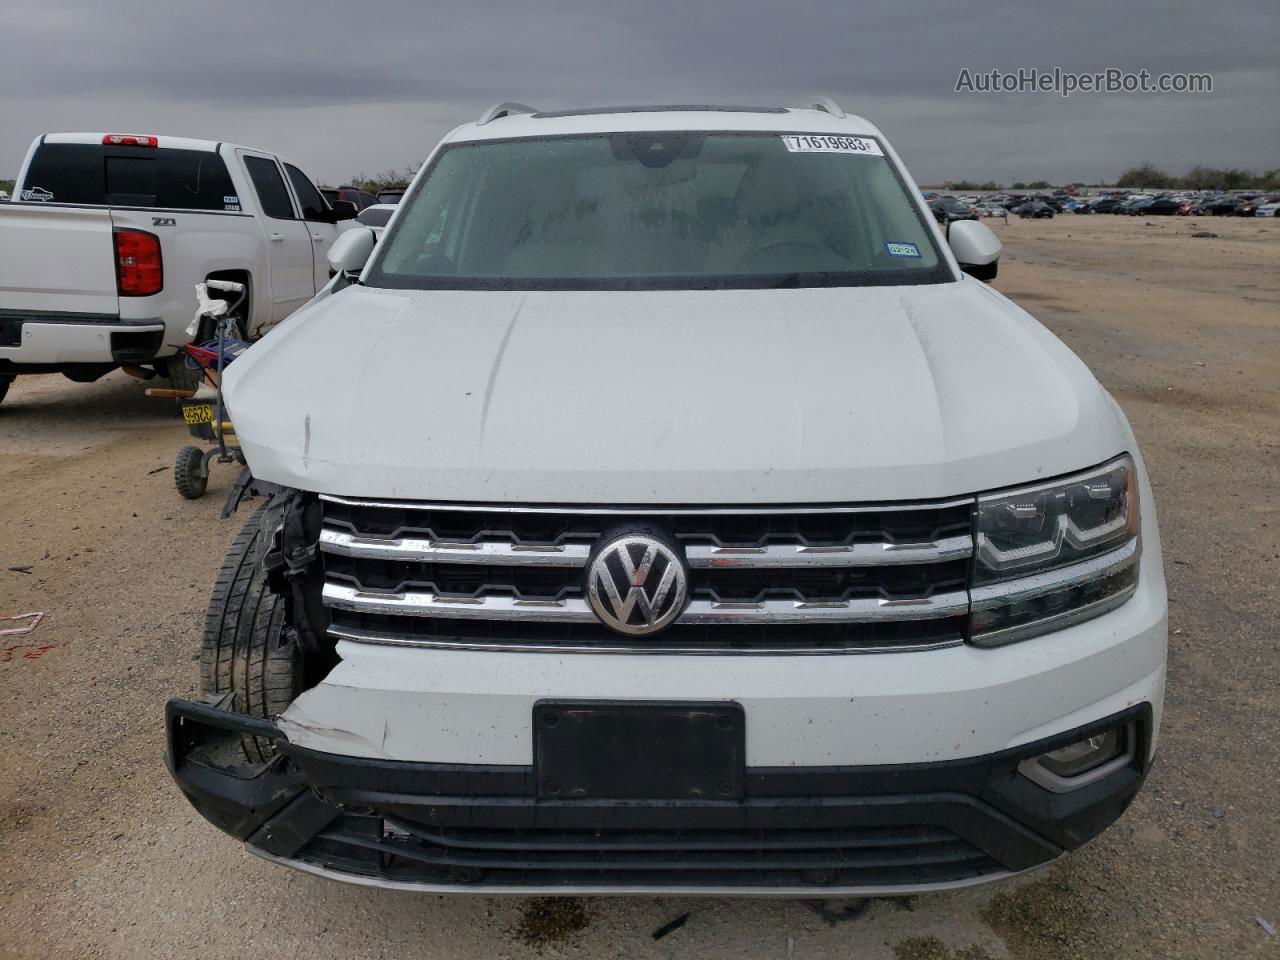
<point x="101" y="857"/>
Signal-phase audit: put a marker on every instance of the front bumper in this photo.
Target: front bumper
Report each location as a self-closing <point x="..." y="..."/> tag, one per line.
<point x="798" y="831"/>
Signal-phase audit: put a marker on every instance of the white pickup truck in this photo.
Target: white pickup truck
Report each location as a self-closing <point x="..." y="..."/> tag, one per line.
<point x="108" y="233"/>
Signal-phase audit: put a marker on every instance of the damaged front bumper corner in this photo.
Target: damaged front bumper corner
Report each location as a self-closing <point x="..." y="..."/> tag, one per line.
<point x="266" y="805"/>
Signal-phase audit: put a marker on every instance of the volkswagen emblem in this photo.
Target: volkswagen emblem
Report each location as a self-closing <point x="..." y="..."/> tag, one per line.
<point x="636" y="584"/>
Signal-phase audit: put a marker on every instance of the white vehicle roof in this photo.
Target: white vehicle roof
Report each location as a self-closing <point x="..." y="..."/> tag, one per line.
<point x="514" y="120"/>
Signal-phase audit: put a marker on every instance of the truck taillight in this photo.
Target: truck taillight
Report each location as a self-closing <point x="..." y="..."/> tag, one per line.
<point x="128" y="140"/>
<point x="139" y="270"/>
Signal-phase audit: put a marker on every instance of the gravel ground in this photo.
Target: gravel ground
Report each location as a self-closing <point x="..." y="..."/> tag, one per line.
<point x="101" y="857"/>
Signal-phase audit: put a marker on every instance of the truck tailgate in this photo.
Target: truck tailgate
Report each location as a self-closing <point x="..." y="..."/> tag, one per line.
<point x="57" y="259"/>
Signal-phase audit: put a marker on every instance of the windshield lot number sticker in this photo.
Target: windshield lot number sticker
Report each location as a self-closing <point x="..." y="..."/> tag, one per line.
<point x="823" y="143"/>
<point x="902" y="250"/>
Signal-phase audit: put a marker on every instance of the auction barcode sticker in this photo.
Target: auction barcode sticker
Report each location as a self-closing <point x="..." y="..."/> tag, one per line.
<point x="829" y="143"/>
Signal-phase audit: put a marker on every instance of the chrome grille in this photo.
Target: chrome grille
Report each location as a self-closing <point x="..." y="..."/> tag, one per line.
<point x="782" y="579"/>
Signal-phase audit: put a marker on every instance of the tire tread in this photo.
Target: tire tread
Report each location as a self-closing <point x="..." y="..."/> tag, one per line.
<point x="244" y="650"/>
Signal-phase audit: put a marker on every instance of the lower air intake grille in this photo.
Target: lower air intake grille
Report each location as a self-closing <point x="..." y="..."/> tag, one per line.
<point x="396" y="850"/>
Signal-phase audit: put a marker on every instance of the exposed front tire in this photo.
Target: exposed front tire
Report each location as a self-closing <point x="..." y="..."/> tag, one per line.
<point x="6" y="381"/>
<point x="189" y="474"/>
<point x="245" y="650"/>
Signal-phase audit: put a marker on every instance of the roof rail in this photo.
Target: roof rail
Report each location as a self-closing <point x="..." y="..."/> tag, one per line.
<point x="827" y="105"/>
<point x="500" y="110"/>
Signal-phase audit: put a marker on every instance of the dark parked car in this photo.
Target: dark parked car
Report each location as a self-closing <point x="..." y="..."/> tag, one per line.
<point x="949" y="209"/>
<point x="1162" y="207"/>
<point x="1220" y="206"/>
<point x="1036" y="210"/>
<point x="1106" y="205"/>
<point x="1246" y="206"/>
<point x="353" y="195"/>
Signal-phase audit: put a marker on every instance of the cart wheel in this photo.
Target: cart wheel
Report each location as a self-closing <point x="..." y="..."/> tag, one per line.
<point x="189" y="474"/>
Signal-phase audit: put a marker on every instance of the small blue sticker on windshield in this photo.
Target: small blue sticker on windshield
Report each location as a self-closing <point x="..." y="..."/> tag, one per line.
<point x="902" y="250"/>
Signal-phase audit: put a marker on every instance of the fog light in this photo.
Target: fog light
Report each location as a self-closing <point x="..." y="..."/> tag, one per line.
<point x="1083" y="762"/>
<point x="1083" y="755"/>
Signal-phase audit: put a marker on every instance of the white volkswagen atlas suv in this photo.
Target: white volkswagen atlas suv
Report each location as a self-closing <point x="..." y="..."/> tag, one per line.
<point x="664" y="505"/>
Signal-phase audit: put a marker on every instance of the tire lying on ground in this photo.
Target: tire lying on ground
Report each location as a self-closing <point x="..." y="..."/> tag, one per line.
<point x="246" y="650"/>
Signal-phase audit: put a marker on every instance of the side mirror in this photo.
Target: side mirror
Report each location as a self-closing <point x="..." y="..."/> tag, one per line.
<point x="976" y="248"/>
<point x="350" y="252"/>
<point x="341" y="210"/>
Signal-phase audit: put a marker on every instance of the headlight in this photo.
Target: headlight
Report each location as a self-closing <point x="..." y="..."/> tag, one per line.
<point x="1055" y="554"/>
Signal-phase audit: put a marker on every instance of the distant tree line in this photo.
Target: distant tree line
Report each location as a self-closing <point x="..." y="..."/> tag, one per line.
<point x="389" y="180"/>
<point x="1149" y="175"/>
<point x="974" y="185"/>
<point x="991" y="185"/>
<point x="1199" y="178"/>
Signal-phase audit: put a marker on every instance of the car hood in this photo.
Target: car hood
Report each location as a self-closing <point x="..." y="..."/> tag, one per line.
<point x="672" y="397"/>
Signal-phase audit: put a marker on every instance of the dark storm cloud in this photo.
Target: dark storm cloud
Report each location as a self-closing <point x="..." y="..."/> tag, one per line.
<point x="268" y="67"/>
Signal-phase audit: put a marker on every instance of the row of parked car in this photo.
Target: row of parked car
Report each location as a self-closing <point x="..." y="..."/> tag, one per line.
<point x="1187" y="205"/>
<point x="947" y="209"/>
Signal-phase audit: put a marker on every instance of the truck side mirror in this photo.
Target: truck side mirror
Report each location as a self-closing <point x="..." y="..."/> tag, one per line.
<point x="342" y="210"/>
<point x="350" y="252"/>
<point x="976" y="248"/>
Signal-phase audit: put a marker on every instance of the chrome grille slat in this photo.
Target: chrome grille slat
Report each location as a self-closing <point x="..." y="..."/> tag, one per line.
<point x="434" y="551"/>
<point x="426" y="604"/>
<point x="623" y="646"/>
<point x="699" y="555"/>
<point x="854" y="555"/>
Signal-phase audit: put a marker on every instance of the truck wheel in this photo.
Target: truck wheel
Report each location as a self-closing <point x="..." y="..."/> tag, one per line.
<point x="246" y="650"/>
<point x="189" y="475"/>
<point x="5" y="382"/>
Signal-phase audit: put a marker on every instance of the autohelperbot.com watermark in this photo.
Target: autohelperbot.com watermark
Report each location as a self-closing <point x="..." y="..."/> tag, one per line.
<point x="1065" y="82"/>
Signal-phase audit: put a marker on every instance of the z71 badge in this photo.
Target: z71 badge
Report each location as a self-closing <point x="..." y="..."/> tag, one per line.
<point x="164" y="222"/>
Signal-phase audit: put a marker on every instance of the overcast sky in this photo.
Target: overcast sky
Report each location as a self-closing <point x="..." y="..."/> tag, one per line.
<point x="372" y="85"/>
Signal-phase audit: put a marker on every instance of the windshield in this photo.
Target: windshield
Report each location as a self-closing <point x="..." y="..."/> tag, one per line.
<point x="681" y="210"/>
